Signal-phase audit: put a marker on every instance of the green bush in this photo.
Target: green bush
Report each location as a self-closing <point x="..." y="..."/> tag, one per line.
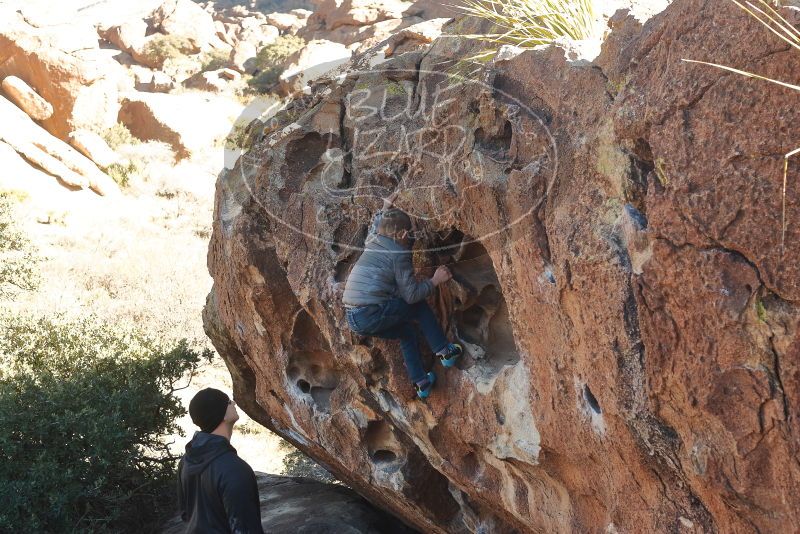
<point x="270" y="61"/>
<point x="18" y="260"/>
<point x="84" y="408"/>
<point x="162" y="48"/>
<point x="118" y="135"/>
<point x="121" y="172"/>
<point x="214" y="60"/>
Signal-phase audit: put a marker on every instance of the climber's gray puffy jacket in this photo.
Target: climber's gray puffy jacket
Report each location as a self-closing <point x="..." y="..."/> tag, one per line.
<point x="384" y="271"/>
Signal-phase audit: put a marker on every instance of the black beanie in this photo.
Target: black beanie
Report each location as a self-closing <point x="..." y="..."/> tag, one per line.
<point x="208" y="408"/>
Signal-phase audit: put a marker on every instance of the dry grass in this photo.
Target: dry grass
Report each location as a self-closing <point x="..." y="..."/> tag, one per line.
<point x="532" y="23"/>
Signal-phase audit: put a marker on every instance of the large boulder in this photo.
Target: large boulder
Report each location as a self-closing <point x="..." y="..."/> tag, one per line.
<point x="129" y="36"/>
<point x="243" y="57"/>
<point x="211" y="81"/>
<point x="82" y="88"/>
<point x="614" y="227"/>
<point x="296" y="505"/>
<point x="190" y="123"/>
<point x="255" y="31"/>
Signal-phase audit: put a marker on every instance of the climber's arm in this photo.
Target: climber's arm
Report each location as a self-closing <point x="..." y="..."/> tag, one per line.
<point x="411" y="290"/>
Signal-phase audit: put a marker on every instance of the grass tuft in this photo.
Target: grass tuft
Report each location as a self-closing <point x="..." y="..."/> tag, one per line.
<point x="532" y="23"/>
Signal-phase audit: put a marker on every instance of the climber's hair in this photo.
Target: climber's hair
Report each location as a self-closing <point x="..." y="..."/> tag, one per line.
<point x="393" y="222"/>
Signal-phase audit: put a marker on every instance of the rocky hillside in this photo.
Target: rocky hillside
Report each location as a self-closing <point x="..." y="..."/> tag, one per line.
<point x="175" y="72"/>
<point x="614" y="225"/>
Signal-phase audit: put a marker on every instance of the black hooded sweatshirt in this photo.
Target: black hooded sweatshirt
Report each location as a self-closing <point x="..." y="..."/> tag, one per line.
<point x="217" y="490"/>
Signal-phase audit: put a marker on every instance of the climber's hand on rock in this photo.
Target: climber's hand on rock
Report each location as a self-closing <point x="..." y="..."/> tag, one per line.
<point x="441" y="275"/>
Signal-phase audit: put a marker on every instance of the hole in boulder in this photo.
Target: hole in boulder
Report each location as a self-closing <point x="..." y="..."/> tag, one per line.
<point x="496" y="143"/>
<point x="342" y="270"/>
<point x="429" y="487"/>
<point x="347" y="237"/>
<point x="591" y="400"/>
<point x="384" y="456"/>
<point x="470" y="465"/>
<point x="322" y="397"/>
<point x="479" y="309"/>
<point x="381" y="443"/>
<point x="302" y="155"/>
<point x="311" y="364"/>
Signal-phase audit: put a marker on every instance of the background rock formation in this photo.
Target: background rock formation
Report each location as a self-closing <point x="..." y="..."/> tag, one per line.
<point x="306" y="506"/>
<point x="634" y="352"/>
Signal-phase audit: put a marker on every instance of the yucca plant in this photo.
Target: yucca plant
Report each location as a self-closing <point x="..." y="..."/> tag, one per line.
<point x="770" y="18"/>
<point x="530" y="23"/>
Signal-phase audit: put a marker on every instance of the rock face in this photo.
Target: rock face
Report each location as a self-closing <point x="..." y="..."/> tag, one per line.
<point x="614" y="227"/>
<point x="296" y="505"/>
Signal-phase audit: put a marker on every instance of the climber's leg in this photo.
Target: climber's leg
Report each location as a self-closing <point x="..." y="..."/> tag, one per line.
<point x="390" y="321"/>
<point x="407" y="334"/>
<point x="448" y="352"/>
<point x="431" y="329"/>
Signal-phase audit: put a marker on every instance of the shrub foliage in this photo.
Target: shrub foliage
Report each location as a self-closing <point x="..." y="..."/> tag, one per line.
<point x="84" y="408"/>
<point x="270" y="60"/>
<point x="18" y="261"/>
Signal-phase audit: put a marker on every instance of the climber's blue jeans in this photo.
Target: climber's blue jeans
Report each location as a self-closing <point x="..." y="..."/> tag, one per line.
<point x="394" y="320"/>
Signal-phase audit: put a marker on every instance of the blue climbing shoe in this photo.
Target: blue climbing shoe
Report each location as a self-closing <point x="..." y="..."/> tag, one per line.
<point x="453" y="353"/>
<point x="424" y="386"/>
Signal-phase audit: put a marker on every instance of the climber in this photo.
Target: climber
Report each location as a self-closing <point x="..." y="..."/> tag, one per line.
<point x="382" y="296"/>
<point x="217" y="490"/>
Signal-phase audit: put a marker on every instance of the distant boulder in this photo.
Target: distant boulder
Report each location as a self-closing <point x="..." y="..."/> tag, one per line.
<point x="82" y="89"/>
<point x="185" y="19"/>
<point x="27" y="99"/>
<point x="189" y="123"/>
<point x="50" y="154"/>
